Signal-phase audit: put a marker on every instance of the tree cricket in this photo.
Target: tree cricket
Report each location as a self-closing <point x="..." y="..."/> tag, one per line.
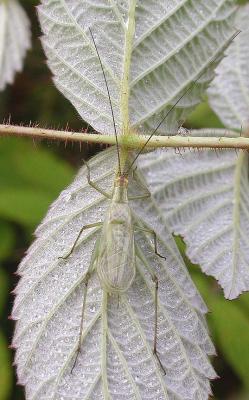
<point x="114" y="256"/>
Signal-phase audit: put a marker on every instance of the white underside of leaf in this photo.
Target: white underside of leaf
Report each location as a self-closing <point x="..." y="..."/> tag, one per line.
<point x="204" y="197"/>
<point x="149" y="52"/>
<point x="229" y="92"/>
<point x="14" y="40"/>
<point x="116" y="359"/>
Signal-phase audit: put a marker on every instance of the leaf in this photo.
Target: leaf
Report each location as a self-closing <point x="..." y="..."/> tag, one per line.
<point x="5" y="370"/>
<point x="204" y="197"/>
<point x="151" y="52"/>
<point x="14" y="40"/>
<point x="229" y="92"/>
<point x="116" y="359"/>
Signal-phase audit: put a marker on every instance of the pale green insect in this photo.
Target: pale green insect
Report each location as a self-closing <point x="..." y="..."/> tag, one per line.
<point x="115" y="262"/>
<point x="114" y="255"/>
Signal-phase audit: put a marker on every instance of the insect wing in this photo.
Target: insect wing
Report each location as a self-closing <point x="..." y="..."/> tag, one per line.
<point x="116" y="261"/>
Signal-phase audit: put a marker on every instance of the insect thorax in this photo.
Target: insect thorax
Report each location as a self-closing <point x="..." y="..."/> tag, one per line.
<point x="120" y="191"/>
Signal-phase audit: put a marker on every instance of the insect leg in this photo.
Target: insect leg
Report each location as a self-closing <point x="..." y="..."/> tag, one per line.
<point x="78" y="236"/>
<point x="152" y="232"/>
<point x="154" y="279"/>
<point x="93" y="184"/>
<point x="86" y="280"/>
<point x="88" y="275"/>
<point x="141" y="185"/>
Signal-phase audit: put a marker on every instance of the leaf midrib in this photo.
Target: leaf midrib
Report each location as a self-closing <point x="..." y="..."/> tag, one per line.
<point x="124" y="365"/>
<point x="145" y="342"/>
<point x="125" y="81"/>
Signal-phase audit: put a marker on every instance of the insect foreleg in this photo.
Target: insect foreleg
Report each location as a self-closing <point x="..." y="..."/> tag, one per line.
<point x="152" y="232"/>
<point x="78" y="236"/>
<point x="93" y="184"/>
<point x="140" y="197"/>
<point x="141" y="185"/>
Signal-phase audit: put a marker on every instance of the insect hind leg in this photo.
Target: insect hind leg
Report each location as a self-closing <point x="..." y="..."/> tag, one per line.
<point x="153" y="233"/>
<point x="154" y="279"/>
<point x="86" y="280"/>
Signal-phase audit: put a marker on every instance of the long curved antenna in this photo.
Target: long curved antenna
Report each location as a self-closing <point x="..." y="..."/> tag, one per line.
<point x="190" y="88"/>
<point x="109" y="97"/>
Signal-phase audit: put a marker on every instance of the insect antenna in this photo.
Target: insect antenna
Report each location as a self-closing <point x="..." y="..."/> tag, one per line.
<point x="188" y="90"/>
<point x="110" y="101"/>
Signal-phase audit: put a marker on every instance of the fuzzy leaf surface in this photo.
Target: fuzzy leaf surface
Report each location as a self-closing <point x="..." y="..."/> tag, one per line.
<point x="116" y="361"/>
<point x="151" y="52"/>
<point x="204" y="197"/>
<point x="14" y="40"/>
<point x="229" y="92"/>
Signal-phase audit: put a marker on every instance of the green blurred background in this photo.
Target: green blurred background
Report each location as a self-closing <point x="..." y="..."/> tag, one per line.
<point x="33" y="174"/>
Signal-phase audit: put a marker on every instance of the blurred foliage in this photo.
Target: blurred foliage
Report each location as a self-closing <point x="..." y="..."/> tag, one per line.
<point x="7" y="236"/>
<point x="5" y="369"/>
<point x="204" y="117"/>
<point x="4" y="289"/>
<point x="32" y="176"/>
<point x="229" y="327"/>
<point x="27" y="185"/>
<point x="229" y="324"/>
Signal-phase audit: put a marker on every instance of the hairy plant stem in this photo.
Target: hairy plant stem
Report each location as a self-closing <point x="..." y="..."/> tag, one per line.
<point x="230" y="141"/>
